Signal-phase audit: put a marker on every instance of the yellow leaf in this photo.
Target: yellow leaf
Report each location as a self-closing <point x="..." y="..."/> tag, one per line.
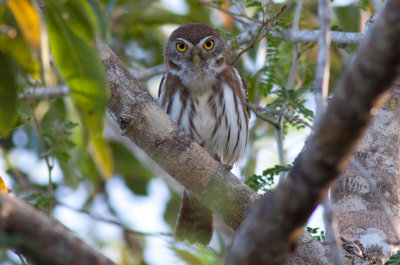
<point x="28" y="21"/>
<point x="102" y="155"/>
<point x="3" y="187"/>
<point x="393" y="105"/>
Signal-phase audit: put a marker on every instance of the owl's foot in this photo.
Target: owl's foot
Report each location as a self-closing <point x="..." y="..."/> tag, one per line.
<point x="203" y="143"/>
<point x="217" y="157"/>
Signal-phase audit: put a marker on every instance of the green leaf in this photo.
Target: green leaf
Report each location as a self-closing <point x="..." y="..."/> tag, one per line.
<point x="394" y="260"/>
<point x="265" y="181"/>
<point x="85" y="19"/>
<point x="319" y="235"/>
<point x="19" y="50"/>
<point x="102" y="155"/>
<point x="253" y="4"/>
<point x="19" y="120"/>
<point x="187" y="256"/>
<point x="8" y="94"/>
<point x="79" y="64"/>
<point x="195" y="255"/>
<point x="38" y="200"/>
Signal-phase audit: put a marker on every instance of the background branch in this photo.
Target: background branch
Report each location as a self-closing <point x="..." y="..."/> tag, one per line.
<point x="312" y="36"/>
<point x="42" y="239"/>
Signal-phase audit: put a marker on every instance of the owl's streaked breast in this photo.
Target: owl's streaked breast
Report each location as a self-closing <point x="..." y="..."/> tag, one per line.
<point x="213" y="117"/>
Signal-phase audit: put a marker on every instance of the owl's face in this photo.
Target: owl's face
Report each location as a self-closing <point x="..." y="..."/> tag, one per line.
<point x="194" y="48"/>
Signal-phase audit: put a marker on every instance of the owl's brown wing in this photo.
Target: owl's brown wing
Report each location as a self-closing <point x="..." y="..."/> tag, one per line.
<point x="161" y="85"/>
<point x="245" y="90"/>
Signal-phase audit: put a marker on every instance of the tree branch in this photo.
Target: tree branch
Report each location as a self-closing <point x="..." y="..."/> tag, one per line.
<point x="276" y="221"/>
<point x="143" y="121"/>
<point x="312" y="36"/>
<point x="42" y="239"/>
<point x="44" y="93"/>
<point x="323" y="60"/>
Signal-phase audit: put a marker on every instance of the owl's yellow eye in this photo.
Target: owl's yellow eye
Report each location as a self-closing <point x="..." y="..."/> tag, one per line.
<point x="208" y="45"/>
<point x="181" y="46"/>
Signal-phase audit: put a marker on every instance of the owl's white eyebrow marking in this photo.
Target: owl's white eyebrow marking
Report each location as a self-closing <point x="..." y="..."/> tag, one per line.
<point x="185" y="41"/>
<point x="203" y="40"/>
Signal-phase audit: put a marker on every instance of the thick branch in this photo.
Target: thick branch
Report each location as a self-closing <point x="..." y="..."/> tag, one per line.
<point x="40" y="238"/>
<point x="143" y="121"/>
<point x="276" y="221"/>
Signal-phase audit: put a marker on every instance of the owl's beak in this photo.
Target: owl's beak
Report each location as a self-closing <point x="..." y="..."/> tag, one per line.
<point x="196" y="60"/>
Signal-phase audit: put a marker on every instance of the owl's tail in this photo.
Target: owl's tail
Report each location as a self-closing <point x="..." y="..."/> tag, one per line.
<point x="195" y="221"/>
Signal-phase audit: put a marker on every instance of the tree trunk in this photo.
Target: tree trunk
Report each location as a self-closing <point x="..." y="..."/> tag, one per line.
<point x="362" y="222"/>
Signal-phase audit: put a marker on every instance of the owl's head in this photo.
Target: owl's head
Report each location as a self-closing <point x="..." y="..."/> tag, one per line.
<point x="194" y="47"/>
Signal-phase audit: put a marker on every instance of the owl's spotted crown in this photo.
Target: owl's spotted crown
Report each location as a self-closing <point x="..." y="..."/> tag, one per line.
<point x="193" y="32"/>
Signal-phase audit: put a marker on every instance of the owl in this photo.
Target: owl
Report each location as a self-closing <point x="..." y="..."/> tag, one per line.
<point x="207" y="98"/>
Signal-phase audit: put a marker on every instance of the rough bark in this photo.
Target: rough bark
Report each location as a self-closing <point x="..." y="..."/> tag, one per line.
<point x="142" y="120"/>
<point x="42" y="239"/>
<point x="309" y="252"/>
<point x="359" y="213"/>
<point x="270" y="232"/>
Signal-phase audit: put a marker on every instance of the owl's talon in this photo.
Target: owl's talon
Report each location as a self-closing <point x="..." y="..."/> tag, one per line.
<point x="203" y="143"/>
<point x="192" y="136"/>
<point x="217" y="157"/>
<point x="229" y="167"/>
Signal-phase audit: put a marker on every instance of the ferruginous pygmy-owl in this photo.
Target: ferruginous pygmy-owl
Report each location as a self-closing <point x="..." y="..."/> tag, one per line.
<point x="206" y="97"/>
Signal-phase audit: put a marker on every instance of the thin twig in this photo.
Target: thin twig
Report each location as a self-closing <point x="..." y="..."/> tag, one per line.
<point x="279" y="147"/>
<point x="289" y="85"/>
<point x="19" y="256"/>
<point x="332" y="233"/>
<point x="295" y="60"/>
<point x="278" y="113"/>
<point x="241" y="18"/>
<point x="114" y="222"/>
<point x="150" y="72"/>
<point x="43" y="147"/>
<point x="44" y="93"/>
<point x="321" y="94"/>
<point x="312" y="36"/>
<point x="298" y="35"/>
<point x="323" y="61"/>
<point x="261" y="116"/>
<point x="256" y="39"/>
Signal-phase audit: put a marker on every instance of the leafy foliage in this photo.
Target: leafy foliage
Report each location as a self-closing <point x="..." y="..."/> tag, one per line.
<point x="394" y="259"/>
<point x="197" y="255"/>
<point x="39" y="200"/>
<point x="77" y="59"/>
<point x="317" y="233"/>
<point x="363" y="4"/>
<point x="58" y="141"/>
<point x="8" y="94"/>
<point x="266" y="181"/>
